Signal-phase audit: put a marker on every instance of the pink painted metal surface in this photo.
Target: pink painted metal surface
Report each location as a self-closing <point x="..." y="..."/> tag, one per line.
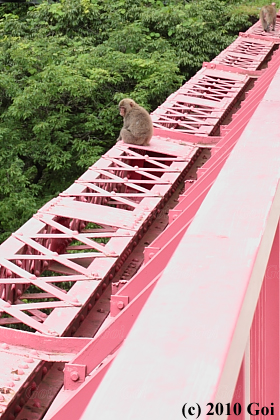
<point x="245" y="53"/>
<point x="239" y="400"/>
<point x="148" y="272"/>
<point x="257" y="31"/>
<point x="195" y="326"/>
<point x="118" y="217"/>
<point x="120" y="194"/>
<point x="195" y="192"/>
<point x="84" y="237"/>
<point x="200" y="104"/>
<point x="264" y="349"/>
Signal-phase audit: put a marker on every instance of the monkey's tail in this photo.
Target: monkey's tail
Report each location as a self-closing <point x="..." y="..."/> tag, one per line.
<point x="262" y="18"/>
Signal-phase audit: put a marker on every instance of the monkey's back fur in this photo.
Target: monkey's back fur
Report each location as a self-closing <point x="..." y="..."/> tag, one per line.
<point x="268" y="17"/>
<point x="137" y="123"/>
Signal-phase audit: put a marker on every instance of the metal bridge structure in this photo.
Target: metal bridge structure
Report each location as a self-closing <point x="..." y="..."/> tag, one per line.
<point x="149" y="289"/>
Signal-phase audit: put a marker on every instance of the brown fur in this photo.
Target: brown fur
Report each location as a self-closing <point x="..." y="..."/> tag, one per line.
<point x="137" y="123"/>
<point x="268" y="17"/>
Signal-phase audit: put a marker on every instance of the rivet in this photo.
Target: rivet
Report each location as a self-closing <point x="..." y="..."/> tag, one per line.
<point x="5" y="346"/>
<point x="10" y="384"/>
<point x="17" y="409"/>
<point x="37" y="404"/>
<point x="120" y="305"/>
<point x="74" y="376"/>
<point x="23" y="366"/>
<point x="28" y="360"/>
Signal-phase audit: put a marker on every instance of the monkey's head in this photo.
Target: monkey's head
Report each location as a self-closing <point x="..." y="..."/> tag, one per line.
<point x="125" y="106"/>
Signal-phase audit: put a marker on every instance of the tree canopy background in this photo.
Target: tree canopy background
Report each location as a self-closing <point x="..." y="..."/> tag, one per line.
<point x="65" y="66"/>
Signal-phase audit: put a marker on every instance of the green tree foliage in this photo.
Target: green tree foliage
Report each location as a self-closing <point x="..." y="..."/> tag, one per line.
<point x="64" y="67"/>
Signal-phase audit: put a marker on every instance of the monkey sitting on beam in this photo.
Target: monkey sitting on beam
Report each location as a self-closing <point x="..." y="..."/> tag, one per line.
<point x="137" y="123"/>
<point x="268" y="17"/>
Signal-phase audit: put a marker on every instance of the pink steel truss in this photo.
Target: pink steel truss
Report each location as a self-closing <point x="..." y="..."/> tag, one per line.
<point x="200" y="104"/>
<point x="195" y="327"/>
<point x="256" y="31"/>
<point x="209" y="332"/>
<point x="245" y="53"/>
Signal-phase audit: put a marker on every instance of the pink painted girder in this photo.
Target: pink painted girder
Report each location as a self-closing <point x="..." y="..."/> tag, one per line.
<point x="189" y="340"/>
<point x="146" y="275"/>
<point x="200" y="104"/>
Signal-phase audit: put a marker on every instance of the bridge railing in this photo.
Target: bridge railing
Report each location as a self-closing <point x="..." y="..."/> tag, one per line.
<point x="217" y="302"/>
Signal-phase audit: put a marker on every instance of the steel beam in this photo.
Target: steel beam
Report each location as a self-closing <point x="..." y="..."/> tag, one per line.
<point x="188" y="342"/>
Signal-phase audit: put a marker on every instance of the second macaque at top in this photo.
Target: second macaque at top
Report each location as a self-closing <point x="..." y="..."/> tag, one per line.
<point x="268" y="17"/>
<point x="137" y="123"/>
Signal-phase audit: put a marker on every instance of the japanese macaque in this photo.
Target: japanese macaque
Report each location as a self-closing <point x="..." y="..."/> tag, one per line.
<point x="137" y="123"/>
<point x="268" y="17"/>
